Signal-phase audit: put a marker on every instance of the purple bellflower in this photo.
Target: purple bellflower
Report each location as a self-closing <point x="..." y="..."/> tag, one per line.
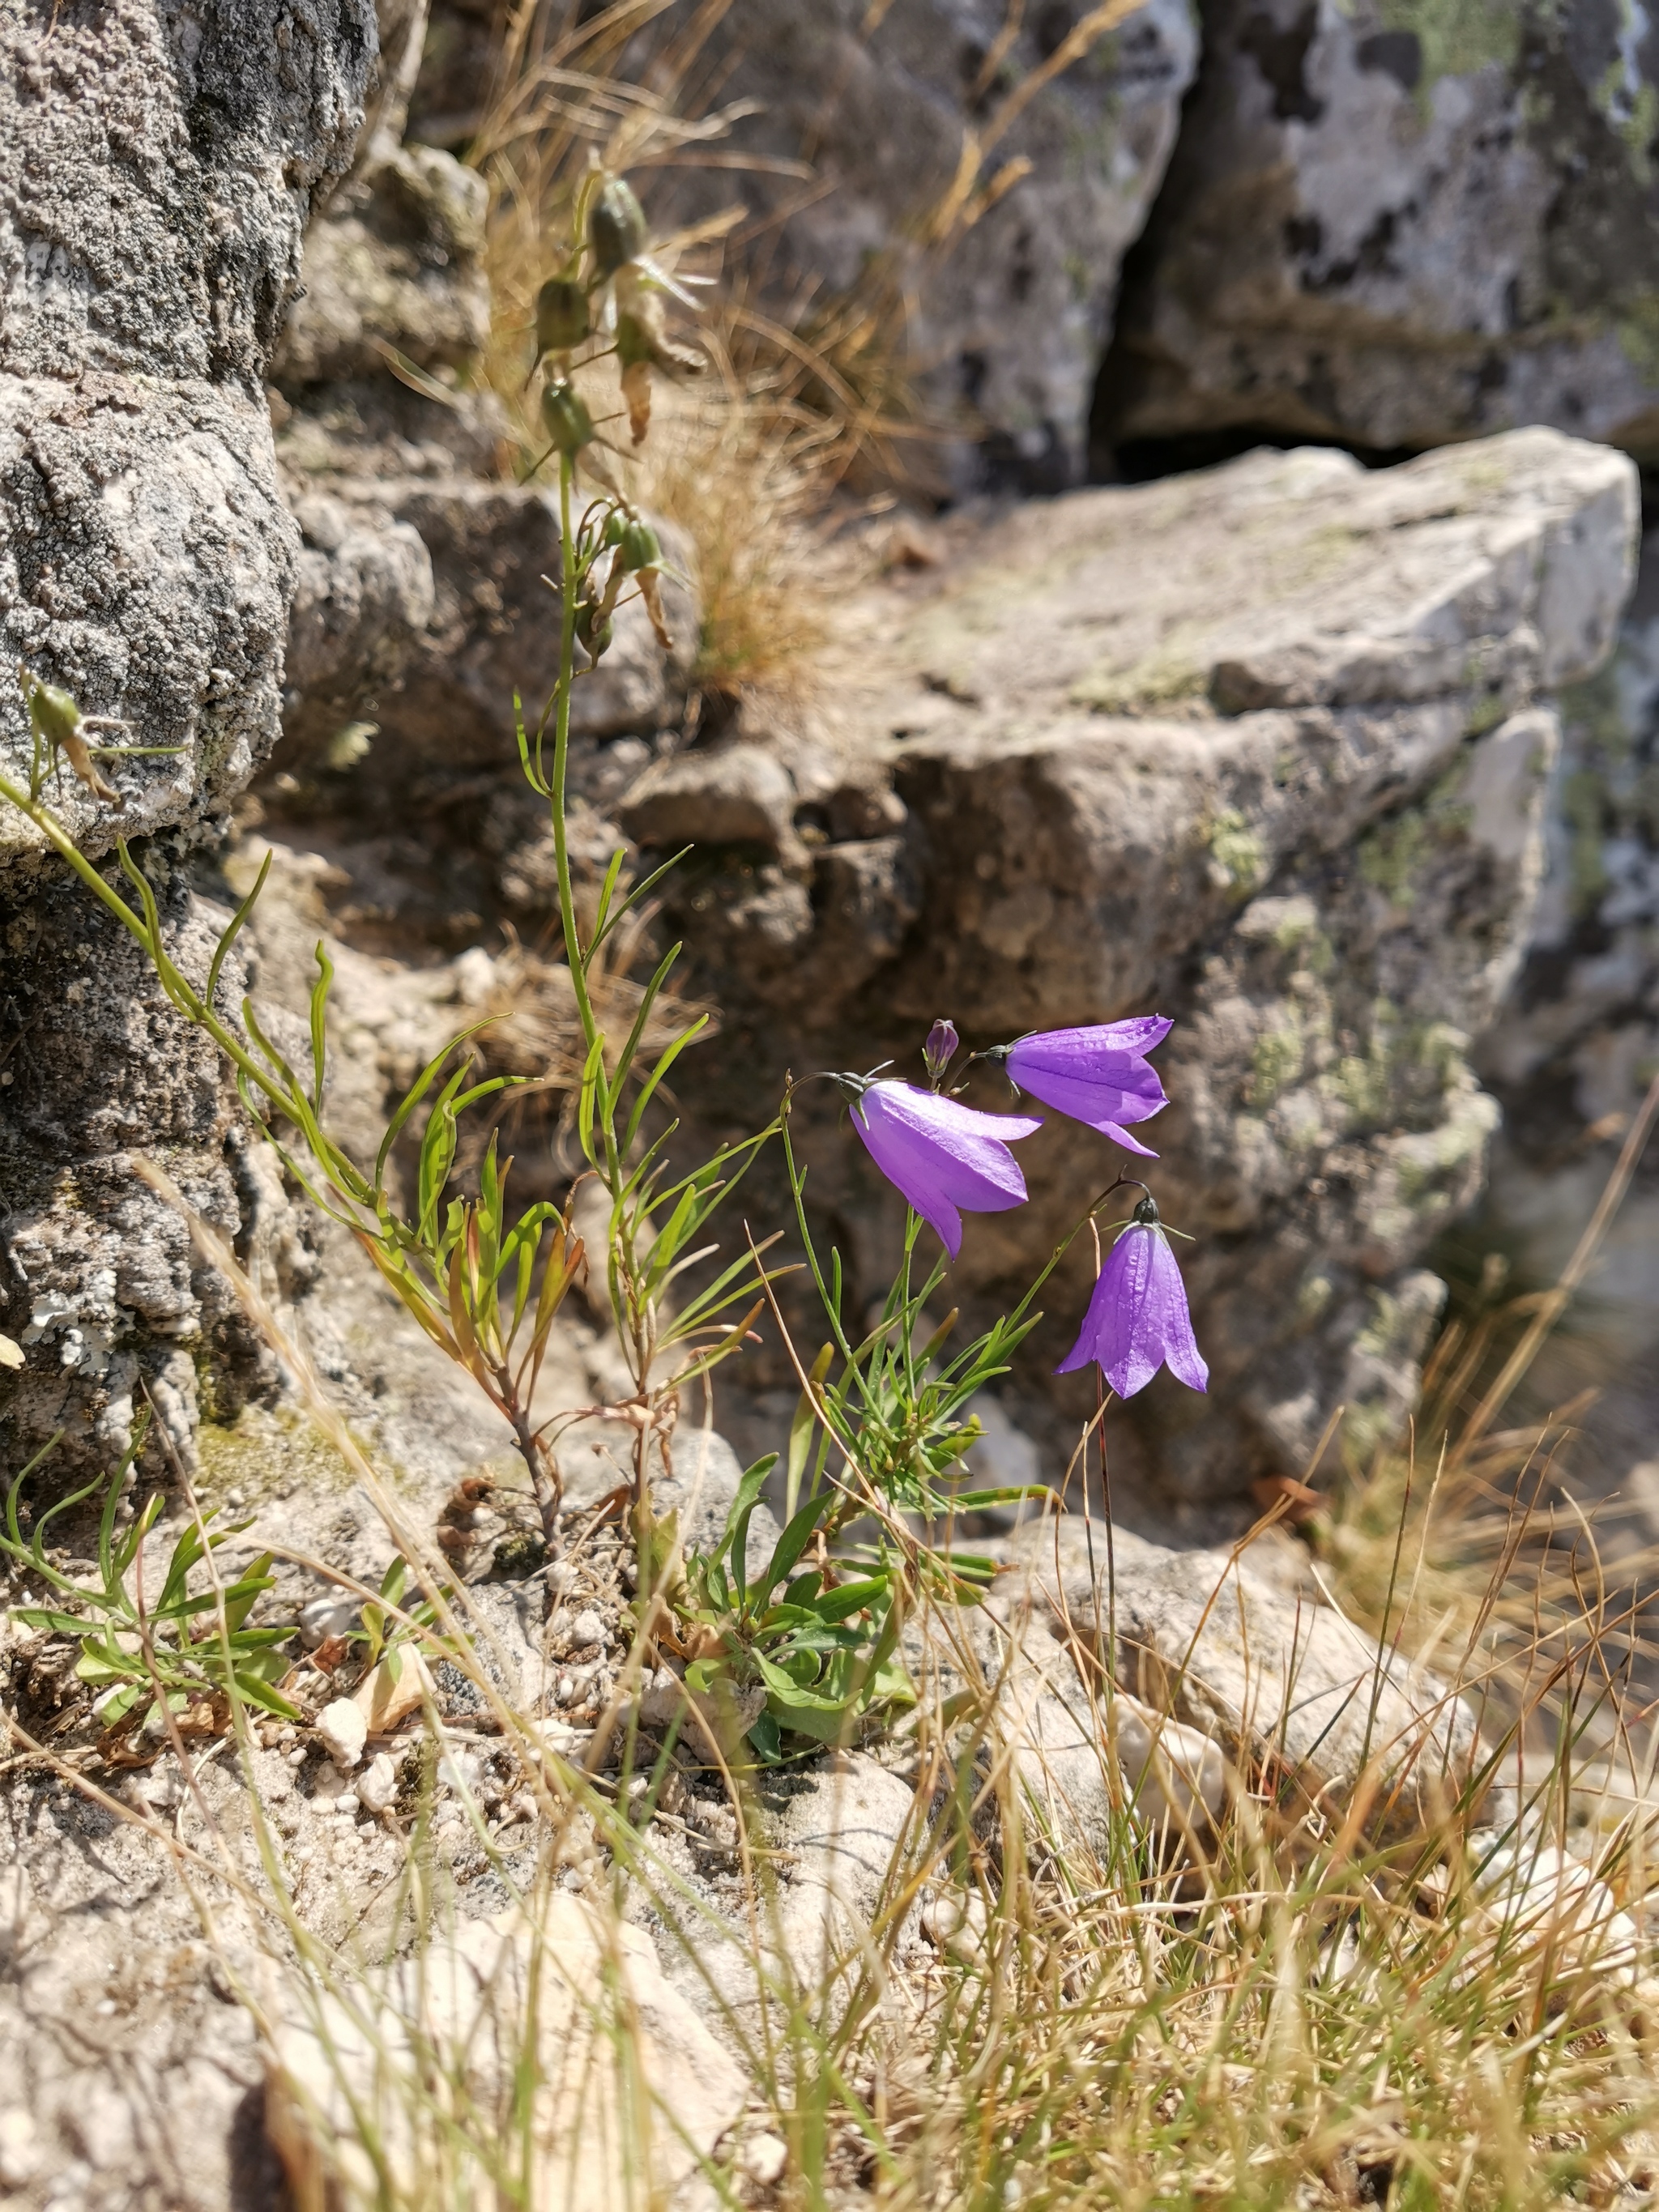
<point x="941" y="1156"/>
<point x="1138" y="1320"/>
<point x="1100" y="1075"/>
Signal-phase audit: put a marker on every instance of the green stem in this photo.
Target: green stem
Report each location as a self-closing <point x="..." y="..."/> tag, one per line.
<point x="172" y="980"/>
<point x="573" y="949"/>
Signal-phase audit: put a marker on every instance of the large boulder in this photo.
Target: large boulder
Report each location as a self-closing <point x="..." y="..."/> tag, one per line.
<point x="1395" y="227"/>
<point x="1570" y="1060"/>
<point x="1266" y="750"/>
<point x="960" y="159"/>
<point x="156" y="173"/>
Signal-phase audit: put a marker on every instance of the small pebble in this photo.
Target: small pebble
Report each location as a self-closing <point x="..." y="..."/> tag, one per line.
<point x="764" y="2158"/>
<point x="377" y="1785"/>
<point x="342" y="1731"/>
<point x="586" y="1629"/>
<point x="324" y="1617"/>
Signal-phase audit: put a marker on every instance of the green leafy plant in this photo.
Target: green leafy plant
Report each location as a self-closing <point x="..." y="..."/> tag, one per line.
<point x="180" y="1645"/>
<point x="390" y="1626"/>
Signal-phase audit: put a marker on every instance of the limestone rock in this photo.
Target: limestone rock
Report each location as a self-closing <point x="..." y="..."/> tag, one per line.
<point x="156" y="174"/>
<point x="845" y="1829"/>
<point x="343" y="1727"/>
<point x="1399" y="228"/>
<point x="1265" y="749"/>
<point x="1267" y="1677"/>
<point x="395" y="259"/>
<point x="629" y="2079"/>
<point x="1011" y="262"/>
<point x="1570" y="1060"/>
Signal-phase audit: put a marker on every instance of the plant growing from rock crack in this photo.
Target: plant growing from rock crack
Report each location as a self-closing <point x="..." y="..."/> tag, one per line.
<point x="816" y="1632"/>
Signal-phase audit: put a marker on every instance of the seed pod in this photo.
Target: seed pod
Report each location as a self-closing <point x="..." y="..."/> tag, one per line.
<point x="53" y="712"/>
<point x="561" y="318"/>
<point x="593" y="634"/>
<point x="641" y="548"/>
<point x="570" y="425"/>
<point x="614" y="523"/>
<point x="616" y="227"/>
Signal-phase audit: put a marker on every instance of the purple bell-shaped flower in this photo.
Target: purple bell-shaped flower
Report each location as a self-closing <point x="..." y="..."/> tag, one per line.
<point x="1099" y="1075"/>
<point x="1138" y="1319"/>
<point x="945" y="1158"/>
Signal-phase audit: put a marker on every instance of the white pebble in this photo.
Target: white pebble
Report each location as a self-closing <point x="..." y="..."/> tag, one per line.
<point x="764" y="2158"/>
<point x="342" y="1732"/>
<point x="327" y="1616"/>
<point x="377" y="1785"/>
<point x="587" y="1628"/>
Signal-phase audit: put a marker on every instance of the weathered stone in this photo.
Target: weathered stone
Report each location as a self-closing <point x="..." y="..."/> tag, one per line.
<point x="396" y="259"/>
<point x="1570" y="1060"/>
<point x="343" y="1728"/>
<point x="846" y="1833"/>
<point x="1263" y="750"/>
<point x="156" y="177"/>
<point x="735" y="795"/>
<point x="628" y="2079"/>
<point x="956" y="172"/>
<point x="1396" y="228"/>
<point x="1275" y="1680"/>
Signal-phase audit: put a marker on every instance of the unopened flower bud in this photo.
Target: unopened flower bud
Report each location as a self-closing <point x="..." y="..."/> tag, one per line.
<point x="561" y="318"/>
<point x="940" y="1048"/>
<point x="570" y="425"/>
<point x="616" y="226"/>
<point x="641" y="548"/>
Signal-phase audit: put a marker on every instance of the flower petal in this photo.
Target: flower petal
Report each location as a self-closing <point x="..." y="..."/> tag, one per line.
<point x="1167" y="1303"/>
<point x="1099" y="1075"/>
<point x="940" y="1155"/>
<point x="1138" y="1317"/>
<point x="1123" y="1137"/>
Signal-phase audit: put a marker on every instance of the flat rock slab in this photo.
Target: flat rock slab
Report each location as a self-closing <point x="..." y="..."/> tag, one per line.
<point x="1303" y="1700"/>
<point x="630" y="2089"/>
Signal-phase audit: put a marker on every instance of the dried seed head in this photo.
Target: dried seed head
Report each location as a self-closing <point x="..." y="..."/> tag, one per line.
<point x="616" y="227"/>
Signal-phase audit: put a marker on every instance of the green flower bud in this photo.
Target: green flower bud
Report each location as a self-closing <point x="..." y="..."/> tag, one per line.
<point x="614" y="523"/>
<point x="616" y="227"/>
<point x="641" y="548"/>
<point x="53" y="712"/>
<point x="561" y="318"/>
<point x="570" y="425"/>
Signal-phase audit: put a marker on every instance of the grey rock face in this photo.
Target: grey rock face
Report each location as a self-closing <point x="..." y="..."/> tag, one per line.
<point x="1012" y="268"/>
<point x="1573" y="1054"/>
<point x="1398" y="227"/>
<point x="420" y="605"/>
<point x="1269" y="1676"/>
<point x="155" y="174"/>
<point x="1265" y="751"/>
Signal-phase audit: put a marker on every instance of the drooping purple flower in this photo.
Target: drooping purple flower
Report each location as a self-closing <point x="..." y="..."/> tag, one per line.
<point x="1100" y="1076"/>
<point x="939" y="1050"/>
<point x="1138" y="1319"/>
<point x="941" y="1156"/>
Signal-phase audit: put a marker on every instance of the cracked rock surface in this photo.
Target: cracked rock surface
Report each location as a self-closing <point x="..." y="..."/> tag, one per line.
<point x="157" y="169"/>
